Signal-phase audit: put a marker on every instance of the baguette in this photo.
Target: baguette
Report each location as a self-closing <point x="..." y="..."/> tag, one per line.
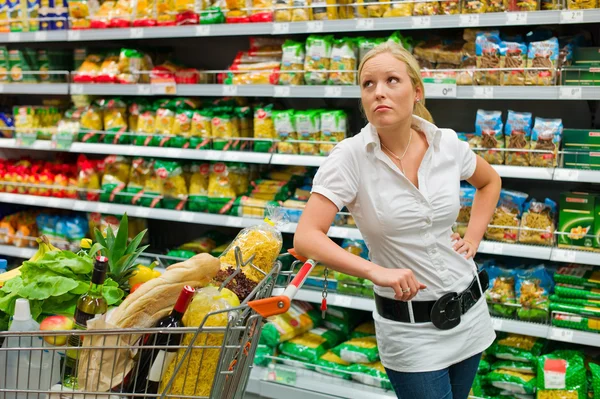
<point x="155" y="298"/>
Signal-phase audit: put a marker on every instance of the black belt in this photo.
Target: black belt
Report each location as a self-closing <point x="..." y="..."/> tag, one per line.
<point x="444" y="313"/>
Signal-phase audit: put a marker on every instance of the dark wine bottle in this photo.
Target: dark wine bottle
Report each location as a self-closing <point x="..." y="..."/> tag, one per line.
<point x="153" y="362"/>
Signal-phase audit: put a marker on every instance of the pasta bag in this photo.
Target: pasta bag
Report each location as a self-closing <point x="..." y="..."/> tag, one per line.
<point x="263" y="128"/>
<point x="487" y="50"/>
<point x="399" y="9"/>
<point x="488" y="126"/>
<point x="467" y="195"/>
<point x="262" y="243"/>
<point x="308" y="127"/>
<point x="360" y="10"/>
<point x="285" y="130"/>
<point x="198" y="200"/>
<point x="201" y="129"/>
<point x="542" y="54"/>
<point x="343" y="58"/>
<point x="517" y="134"/>
<point x="513" y="55"/>
<point x="292" y="63"/>
<point x="333" y="129"/>
<point x="546" y="136"/>
<point x="302" y="10"/>
<point x="220" y="188"/>
<point x="376" y="10"/>
<point x="538" y="223"/>
<point x="501" y="294"/>
<point x="318" y="59"/>
<point x="507" y="217"/>
<point x="283" y="10"/>
<point x="474" y="6"/>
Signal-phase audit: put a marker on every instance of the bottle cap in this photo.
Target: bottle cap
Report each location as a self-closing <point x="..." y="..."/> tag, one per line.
<point x="22" y="310"/>
<point x="187" y="293"/>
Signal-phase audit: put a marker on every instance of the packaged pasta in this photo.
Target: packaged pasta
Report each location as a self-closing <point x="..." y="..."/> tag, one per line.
<point x="546" y="136"/>
<point x="487" y="50"/>
<point x="489" y="129"/>
<point x="132" y="64"/>
<point x="182" y="128"/>
<point x="583" y="275"/>
<point x="538" y="223"/>
<point x="521" y="5"/>
<point x="399" y="9"/>
<point x="283" y="10"/>
<point x="223" y="130"/>
<point x="519" y="367"/>
<point x="517" y="135"/>
<point x="333" y="128"/>
<point x="562" y="374"/>
<point x="343" y="58"/>
<point x="543" y="55"/>
<point x="310" y="346"/>
<point x="451" y="7"/>
<point x="324" y="10"/>
<point x="300" y="318"/>
<point x="366" y="44"/>
<point x="511" y="381"/>
<point x="292" y="63"/>
<point x="519" y="348"/>
<point x="302" y="10"/>
<point x="474" y="6"/>
<point x="506" y="219"/>
<point x="146" y="127"/>
<point x="166" y="14"/>
<point x="331" y="364"/>
<point x="220" y="188"/>
<point x="165" y="118"/>
<point x="372" y="374"/>
<point x="467" y="195"/>
<point x="495" y="6"/>
<point x="358" y="350"/>
<point x="262" y="11"/>
<point x="114" y="113"/>
<point x="89" y="69"/>
<point x="426" y="7"/>
<point x="533" y="289"/>
<point x="116" y="175"/>
<point x="318" y="59"/>
<point x="582" y="4"/>
<point x="90" y="121"/>
<point x="79" y="14"/>
<point x="501" y="296"/>
<point x="513" y="55"/>
<point x="285" y="130"/>
<point x="198" y="187"/>
<point x="144" y="14"/>
<point x="201" y="129"/>
<point x="308" y="127"/>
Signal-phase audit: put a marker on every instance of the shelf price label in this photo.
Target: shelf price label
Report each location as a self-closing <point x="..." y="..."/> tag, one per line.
<point x="14" y="36"/>
<point x="468" y="20"/>
<point x="571" y="16"/>
<point x="136" y="33"/>
<point x="314" y="26"/>
<point x="563" y="255"/>
<point x="365" y="23"/>
<point x="40" y="36"/>
<point x="441" y="90"/>
<point x="570" y="93"/>
<point x="561" y="334"/>
<point x="281" y="374"/>
<point x="74" y="35"/>
<point x="203" y="30"/>
<point x="169" y="88"/>
<point x="333" y="91"/>
<point x="516" y="18"/>
<point x="421" y="22"/>
<point x="483" y="92"/>
<point x="497" y="324"/>
<point x="234" y="221"/>
<point x="62" y="140"/>
<point x="342" y="300"/>
<point x="562" y="174"/>
<point x="281" y="28"/>
<point x="76" y="89"/>
<point x="230" y="90"/>
<point x="282" y="91"/>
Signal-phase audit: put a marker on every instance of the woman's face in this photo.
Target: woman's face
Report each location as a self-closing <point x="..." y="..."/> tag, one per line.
<point x="387" y="93"/>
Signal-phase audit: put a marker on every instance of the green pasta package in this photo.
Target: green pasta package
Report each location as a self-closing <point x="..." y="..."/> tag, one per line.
<point x="333" y="129"/>
<point x="292" y="63"/>
<point x="344" y="62"/>
<point x="332" y="364"/>
<point x="518" y="367"/>
<point x="198" y="187"/>
<point x="562" y="374"/>
<point x="318" y="59"/>
<point x="372" y="374"/>
<point x="261" y="357"/>
<point x="512" y="381"/>
<point x="583" y="275"/>
<point x="595" y="371"/>
<point x="576" y="322"/>
<point x="310" y="346"/>
<point x="501" y="297"/>
<point x="366" y="329"/>
<point x="519" y="348"/>
<point x="285" y="131"/>
<point x="300" y="318"/>
<point x="575" y="291"/>
<point x="342" y="319"/>
<point x="358" y="350"/>
<point x="308" y="127"/>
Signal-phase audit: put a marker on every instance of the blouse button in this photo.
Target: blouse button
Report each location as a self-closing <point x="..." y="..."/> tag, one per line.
<point x="428" y="220"/>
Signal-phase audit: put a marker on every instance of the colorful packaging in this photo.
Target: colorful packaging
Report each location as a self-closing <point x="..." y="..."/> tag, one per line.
<point x="310" y="346"/>
<point x="263" y="354"/>
<point x="300" y="318"/>
<point x="533" y="288"/>
<point x="562" y="373"/>
<point x="538" y="223"/>
<point x="501" y="294"/>
<point x="318" y="59"/>
<point x="333" y="128"/>
<point x="115" y="178"/>
<point x="582" y="275"/>
<point x="576" y="220"/>
<point x="512" y="381"/>
<point x="547" y="135"/>
<point x="372" y="374"/>
<point x="358" y="350"/>
<point x="488" y="126"/>
<point x="343" y="58"/>
<point x="467" y="195"/>
<point x="198" y="187"/>
<point x="518" y="348"/>
<point x="366" y="329"/>
<point x="332" y="364"/>
<point x="285" y="130"/>
<point x="517" y="134"/>
<point x="487" y="50"/>
<point x="292" y="63"/>
<point x="506" y="219"/>
<point x="201" y="130"/>
<point x="542" y="54"/>
<point x="308" y="127"/>
<point x="264" y="128"/>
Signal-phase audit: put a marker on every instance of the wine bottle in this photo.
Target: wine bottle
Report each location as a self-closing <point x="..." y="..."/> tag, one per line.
<point x="89" y="305"/>
<point x="153" y="362"/>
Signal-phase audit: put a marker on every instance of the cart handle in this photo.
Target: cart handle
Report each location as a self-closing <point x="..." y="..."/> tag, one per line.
<point x="280" y="304"/>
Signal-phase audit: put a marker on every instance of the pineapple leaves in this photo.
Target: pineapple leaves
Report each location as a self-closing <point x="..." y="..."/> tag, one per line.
<point x="100" y="240"/>
<point x="120" y="242"/>
<point x="135" y="242"/>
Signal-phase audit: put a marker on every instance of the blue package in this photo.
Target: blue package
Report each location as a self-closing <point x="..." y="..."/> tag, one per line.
<point x="60" y="14"/>
<point x="546" y="135"/>
<point x="489" y="132"/>
<point x="356" y="247"/>
<point x="6" y="121"/>
<point x="533" y="289"/>
<point x="501" y="296"/>
<point x="517" y="133"/>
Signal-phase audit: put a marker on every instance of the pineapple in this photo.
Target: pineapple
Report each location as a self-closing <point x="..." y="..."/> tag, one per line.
<point x="122" y="256"/>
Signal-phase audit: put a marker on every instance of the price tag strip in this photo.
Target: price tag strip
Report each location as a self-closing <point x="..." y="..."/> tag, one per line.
<point x="570" y="93"/>
<point x="468" y="20"/>
<point x="571" y="17"/>
<point x="440" y="90"/>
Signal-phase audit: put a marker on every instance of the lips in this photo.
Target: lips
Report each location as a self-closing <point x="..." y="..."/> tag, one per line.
<point x="382" y="108"/>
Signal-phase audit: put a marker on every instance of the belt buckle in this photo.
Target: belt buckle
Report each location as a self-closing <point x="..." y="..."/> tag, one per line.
<point x="466" y="300"/>
<point x="446" y="311"/>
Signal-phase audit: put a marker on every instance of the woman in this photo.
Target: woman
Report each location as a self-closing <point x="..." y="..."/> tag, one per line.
<point x="400" y="179"/>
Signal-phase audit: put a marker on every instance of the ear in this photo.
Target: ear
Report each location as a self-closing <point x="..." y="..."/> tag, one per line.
<point x="419" y="94"/>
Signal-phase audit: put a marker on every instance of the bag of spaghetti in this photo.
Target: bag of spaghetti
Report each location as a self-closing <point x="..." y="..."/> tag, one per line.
<point x="467" y="195"/>
<point x="517" y="134"/>
<point x="489" y="127"/>
<point x="505" y="222"/>
<point x="333" y="129"/>
<point x="533" y="289"/>
<point x="343" y="58"/>
<point x="318" y="59"/>
<point x="546" y="136"/>
<point x="292" y="63"/>
<point x="544" y="55"/>
<point x="538" y="223"/>
<point x="513" y="55"/>
<point x="300" y="318"/>
<point x="261" y="243"/>
<point x="372" y="374"/>
<point x="487" y="50"/>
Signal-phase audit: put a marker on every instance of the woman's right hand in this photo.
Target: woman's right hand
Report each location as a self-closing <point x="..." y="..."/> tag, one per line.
<point x="402" y="281"/>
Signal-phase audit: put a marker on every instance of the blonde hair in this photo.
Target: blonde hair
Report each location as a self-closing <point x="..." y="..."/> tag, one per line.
<point x="412" y="67"/>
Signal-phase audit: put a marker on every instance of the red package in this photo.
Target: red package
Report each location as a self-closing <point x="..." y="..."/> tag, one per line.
<point x="187" y="18"/>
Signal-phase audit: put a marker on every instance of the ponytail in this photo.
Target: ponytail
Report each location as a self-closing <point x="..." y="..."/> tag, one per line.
<point x="421" y="111"/>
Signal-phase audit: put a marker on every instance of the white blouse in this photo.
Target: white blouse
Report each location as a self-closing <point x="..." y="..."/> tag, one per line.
<point x="409" y="228"/>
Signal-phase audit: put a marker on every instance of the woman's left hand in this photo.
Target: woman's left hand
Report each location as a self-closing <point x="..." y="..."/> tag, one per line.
<point x="464" y="247"/>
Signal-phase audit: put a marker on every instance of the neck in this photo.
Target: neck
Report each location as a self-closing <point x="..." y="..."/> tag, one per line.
<point x="396" y="137"/>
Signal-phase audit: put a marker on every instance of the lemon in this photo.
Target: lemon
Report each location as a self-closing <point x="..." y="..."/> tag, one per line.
<point x="229" y="296"/>
<point x="142" y="274"/>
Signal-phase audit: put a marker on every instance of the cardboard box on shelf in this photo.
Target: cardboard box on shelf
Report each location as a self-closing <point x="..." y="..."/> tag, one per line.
<point x="576" y="220"/>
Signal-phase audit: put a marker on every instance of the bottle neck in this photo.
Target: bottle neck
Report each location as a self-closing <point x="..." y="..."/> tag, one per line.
<point x="96" y="288"/>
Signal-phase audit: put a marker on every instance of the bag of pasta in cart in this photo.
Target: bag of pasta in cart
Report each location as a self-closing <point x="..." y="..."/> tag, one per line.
<point x="546" y="136"/>
<point x="501" y="296"/>
<point x="538" y="223"/>
<point x="562" y="374"/>
<point x="533" y="289"/>
<point x="505" y="222"/>
<point x="517" y="134"/>
<point x="488" y="127"/>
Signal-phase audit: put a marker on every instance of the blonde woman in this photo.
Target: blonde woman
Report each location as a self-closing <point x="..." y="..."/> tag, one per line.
<point x="400" y="179"/>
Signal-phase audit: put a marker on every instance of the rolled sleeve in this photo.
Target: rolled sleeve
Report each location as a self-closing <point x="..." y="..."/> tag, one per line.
<point x="337" y="178"/>
<point x="467" y="160"/>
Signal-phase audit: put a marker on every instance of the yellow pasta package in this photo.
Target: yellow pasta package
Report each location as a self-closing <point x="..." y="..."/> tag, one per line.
<point x="505" y="222"/>
<point x="318" y="59"/>
<point x="292" y="63"/>
<point x="538" y="223"/>
<point x="343" y="58"/>
<point x="376" y="10"/>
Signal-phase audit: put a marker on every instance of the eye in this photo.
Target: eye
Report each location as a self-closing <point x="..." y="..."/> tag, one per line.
<point x="393" y="79"/>
<point x="367" y="83"/>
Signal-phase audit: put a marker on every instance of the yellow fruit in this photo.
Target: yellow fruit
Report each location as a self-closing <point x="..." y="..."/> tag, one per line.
<point x="229" y="296"/>
<point x="142" y="274"/>
<point x="86" y="243"/>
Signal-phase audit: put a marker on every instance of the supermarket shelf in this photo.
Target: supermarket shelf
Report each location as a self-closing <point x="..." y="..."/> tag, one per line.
<point x="311" y="385"/>
<point x="576" y="175"/>
<point x="10" y="250"/>
<point x="499" y="324"/>
<point x="35" y="88"/>
<point x="524" y="172"/>
<point x="108" y="89"/>
<point x="575" y="256"/>
<point x="41" y="36"/>
<point x="301" y="160"/>
<point x="518" y="250"/>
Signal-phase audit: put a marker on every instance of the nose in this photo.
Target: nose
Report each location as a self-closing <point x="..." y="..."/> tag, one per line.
<point x="380" y="91"/>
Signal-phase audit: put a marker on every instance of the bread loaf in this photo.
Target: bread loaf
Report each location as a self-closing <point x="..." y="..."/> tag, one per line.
<point x="155" y="298"/>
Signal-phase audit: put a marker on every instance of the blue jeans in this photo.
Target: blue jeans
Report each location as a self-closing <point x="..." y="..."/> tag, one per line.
<point x="453" y="382"/>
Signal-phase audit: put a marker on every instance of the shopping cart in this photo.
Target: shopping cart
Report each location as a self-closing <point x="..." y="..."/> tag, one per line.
<point x="212" y="361"/>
